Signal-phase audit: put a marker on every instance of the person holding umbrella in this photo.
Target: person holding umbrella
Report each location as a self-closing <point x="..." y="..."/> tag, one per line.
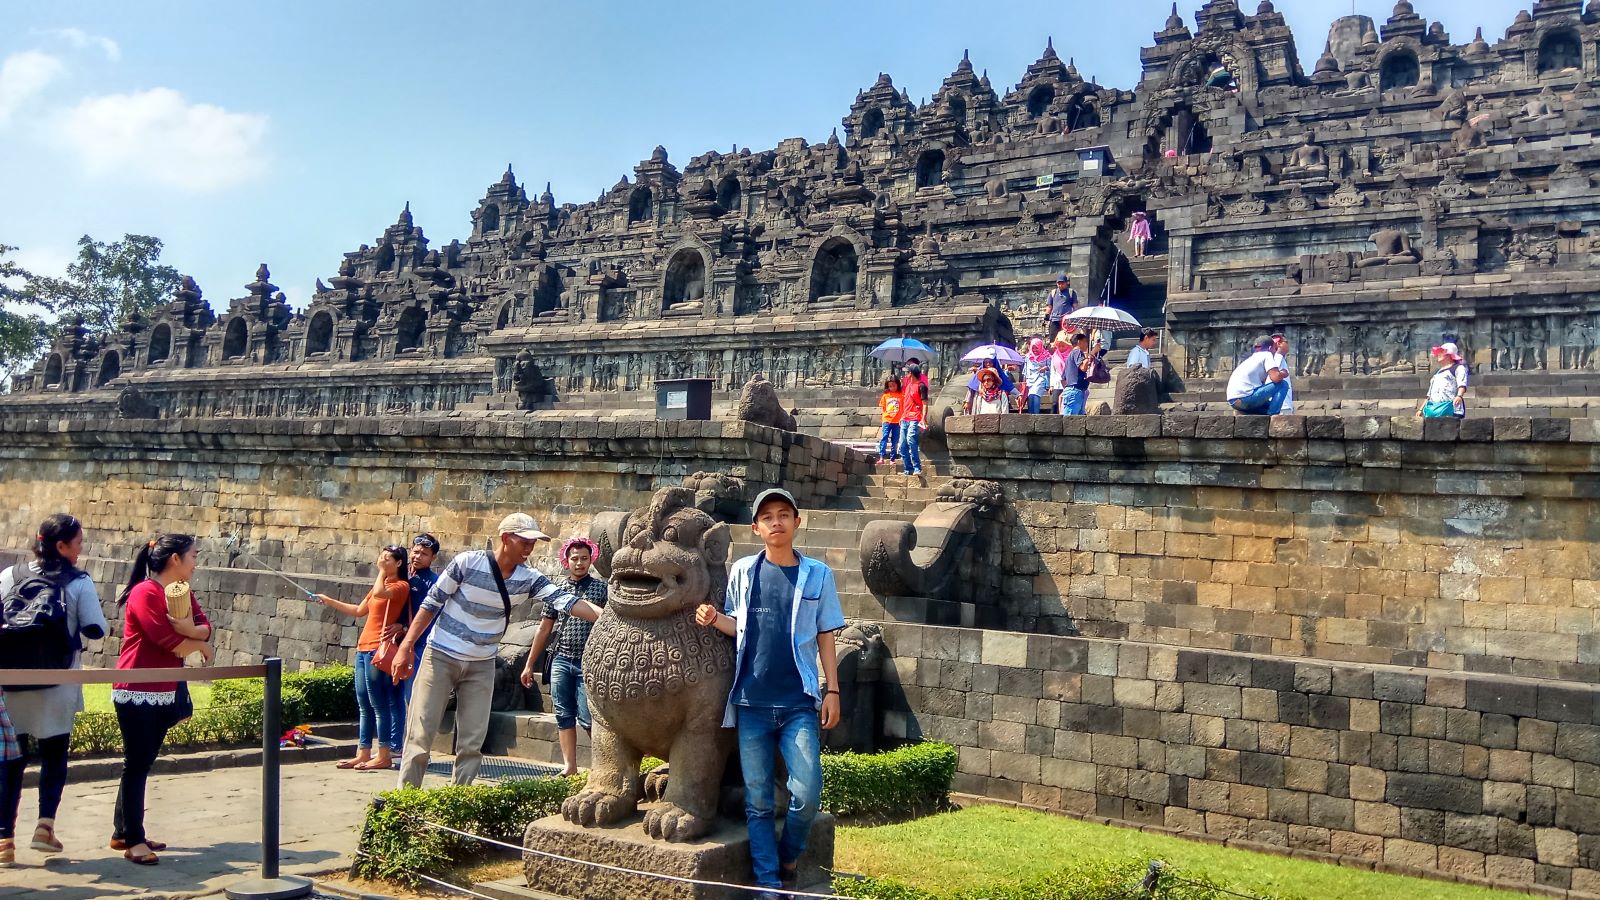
<point x="1073" y="378"/>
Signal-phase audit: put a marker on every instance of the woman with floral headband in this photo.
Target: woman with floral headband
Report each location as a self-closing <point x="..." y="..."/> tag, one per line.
<point x="567" y="695"/>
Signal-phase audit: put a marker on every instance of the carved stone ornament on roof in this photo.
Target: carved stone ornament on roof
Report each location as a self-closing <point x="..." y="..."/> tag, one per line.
<point x="1348" y="196"/>
<point x="1452" y="188"/>
<point x="1298" y="201"/>
<point x="1399" y="194"/>
<point x="1246" y="207"/>
<point x="1507" y="185"/>
<point x="1028" y="225"/>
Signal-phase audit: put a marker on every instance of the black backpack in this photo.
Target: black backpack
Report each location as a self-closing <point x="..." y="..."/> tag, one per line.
<point x="33" y="624"/>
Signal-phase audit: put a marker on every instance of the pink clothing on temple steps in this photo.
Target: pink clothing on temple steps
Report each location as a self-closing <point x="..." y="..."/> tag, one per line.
<point x="1141" y="229"/>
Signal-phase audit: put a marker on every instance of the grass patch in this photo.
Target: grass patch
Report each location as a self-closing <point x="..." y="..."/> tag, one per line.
<point x="97" y="697"/>
<point x="982" y="847"/>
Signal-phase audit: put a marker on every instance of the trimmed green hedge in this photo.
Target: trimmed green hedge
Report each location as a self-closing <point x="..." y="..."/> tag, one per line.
<point x="234" y="714"/>
<point x="1099" y="881"/>
<point x="394" y="844"/>
<point x="912" y="780"/>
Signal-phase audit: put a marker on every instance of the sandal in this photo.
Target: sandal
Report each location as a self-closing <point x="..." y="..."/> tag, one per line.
<point x="44" y="840"/>
<point x="149" y="859"/>
<point x="356" y="763"/>
<point x="120" y="844"/>
<point x="375" y="765"/>
<point x="8" y="853"/>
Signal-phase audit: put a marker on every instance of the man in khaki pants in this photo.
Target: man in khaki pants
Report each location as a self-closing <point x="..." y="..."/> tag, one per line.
<point x="471" y="604"/>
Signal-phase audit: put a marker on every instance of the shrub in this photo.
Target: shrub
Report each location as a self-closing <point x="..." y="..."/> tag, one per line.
<point x="234" y="715"/>
<point x="1097" y="881"/>
<point x="395" y="843"/>
<point x="910" y="781"/>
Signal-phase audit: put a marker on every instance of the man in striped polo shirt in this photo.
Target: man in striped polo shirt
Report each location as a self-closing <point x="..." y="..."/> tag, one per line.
<point x="471" y="607"/>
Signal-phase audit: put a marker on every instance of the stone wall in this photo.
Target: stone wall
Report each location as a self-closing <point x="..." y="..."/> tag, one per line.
<point x="318" y="497"/>
<point x="1453" y="545"/>
<point x="1478" y="776"/>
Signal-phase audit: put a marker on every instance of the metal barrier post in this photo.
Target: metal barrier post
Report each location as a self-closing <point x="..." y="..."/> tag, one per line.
<point x="270" y="886"/>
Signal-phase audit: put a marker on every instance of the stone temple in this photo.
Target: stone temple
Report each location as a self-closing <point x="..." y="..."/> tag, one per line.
<point x="1348" y="632"/>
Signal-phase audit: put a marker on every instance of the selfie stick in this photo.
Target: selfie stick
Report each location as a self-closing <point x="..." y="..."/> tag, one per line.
<point x="236" y="546"/>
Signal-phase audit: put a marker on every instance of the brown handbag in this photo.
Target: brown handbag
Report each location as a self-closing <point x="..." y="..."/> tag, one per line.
<point x="383" y="659"/>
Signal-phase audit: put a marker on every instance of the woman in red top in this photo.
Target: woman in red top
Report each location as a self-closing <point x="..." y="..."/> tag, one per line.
<point x="152" y="639"/>
<point x="381" y="702"/>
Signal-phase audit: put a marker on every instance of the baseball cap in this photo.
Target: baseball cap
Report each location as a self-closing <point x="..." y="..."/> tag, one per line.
<point x="1063" y="279"/>
<point x="523" y="526"/>
<point x="773" y="494"/>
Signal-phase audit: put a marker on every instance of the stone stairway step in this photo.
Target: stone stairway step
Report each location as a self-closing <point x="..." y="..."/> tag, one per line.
<point x="513" y="889"/>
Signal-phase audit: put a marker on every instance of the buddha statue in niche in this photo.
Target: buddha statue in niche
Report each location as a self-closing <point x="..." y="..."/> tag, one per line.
<point x="1307" y="160"/>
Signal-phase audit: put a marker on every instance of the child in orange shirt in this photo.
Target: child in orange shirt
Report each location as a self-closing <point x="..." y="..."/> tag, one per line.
<point x="889" y="401"/>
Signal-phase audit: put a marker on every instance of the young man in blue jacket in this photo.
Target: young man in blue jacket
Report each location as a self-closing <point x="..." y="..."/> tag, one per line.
<point x="782" y="610"/>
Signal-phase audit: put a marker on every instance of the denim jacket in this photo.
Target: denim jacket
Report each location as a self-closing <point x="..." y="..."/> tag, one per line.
<point x="816" y="609"/>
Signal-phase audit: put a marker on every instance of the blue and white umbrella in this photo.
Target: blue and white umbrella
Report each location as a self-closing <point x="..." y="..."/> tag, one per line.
<point x="901" y="349"/>
<point x="1000" y="353"/>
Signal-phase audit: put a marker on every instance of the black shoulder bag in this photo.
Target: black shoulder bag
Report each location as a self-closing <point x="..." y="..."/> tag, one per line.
<point x="500" y="582"/>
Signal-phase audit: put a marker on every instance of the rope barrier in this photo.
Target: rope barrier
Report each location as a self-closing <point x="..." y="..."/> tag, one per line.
<point x="680" y="879"/>
<point x="430" y="879"/>
<point x="18" y="677"/>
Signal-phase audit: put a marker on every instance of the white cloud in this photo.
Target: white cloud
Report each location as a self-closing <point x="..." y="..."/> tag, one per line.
<point x="22" y="76"/>
<point x="81" y="39"/>
<point x="157" y="136"/>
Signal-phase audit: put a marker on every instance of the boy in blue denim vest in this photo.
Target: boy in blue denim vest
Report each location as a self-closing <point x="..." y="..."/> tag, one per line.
<point x="782" y="610"/>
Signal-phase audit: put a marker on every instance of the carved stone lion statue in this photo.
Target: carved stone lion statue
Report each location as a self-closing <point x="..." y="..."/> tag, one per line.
<point x="657" y="682"/>
<point x="759" y="403"/>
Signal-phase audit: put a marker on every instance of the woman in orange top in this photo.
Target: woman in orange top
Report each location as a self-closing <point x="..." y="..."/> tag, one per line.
<point x="381" y="702"/>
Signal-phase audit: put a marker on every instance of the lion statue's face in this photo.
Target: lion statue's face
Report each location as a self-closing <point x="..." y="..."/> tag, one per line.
<point x="673" y="557"/>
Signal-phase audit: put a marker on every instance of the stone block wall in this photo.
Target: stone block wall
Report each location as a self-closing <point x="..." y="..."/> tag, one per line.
<point x="317" y="498"/>
<point x="1454" y="545"/>
<point x="1482" y="777"/>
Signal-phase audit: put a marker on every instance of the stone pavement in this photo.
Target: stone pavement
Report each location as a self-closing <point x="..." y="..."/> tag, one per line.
<point x="212" y="820"/>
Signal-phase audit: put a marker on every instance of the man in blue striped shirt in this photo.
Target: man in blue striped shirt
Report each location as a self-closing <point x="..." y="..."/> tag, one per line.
<point x="469" y="608"/>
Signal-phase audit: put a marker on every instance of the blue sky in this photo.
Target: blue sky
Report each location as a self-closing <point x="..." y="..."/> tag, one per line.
<point x="290" y="132"/>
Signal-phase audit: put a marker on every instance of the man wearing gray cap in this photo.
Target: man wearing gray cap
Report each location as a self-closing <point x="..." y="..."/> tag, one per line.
<point x="471" y="606"/>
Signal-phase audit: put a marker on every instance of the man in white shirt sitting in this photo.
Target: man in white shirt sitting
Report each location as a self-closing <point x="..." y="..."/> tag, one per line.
<point x="1139" y="356"/>
<point x="1258" y="385"/>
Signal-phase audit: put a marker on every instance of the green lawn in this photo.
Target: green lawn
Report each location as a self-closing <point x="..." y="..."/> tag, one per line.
<point x="97" y="697"/>
<point x="985" y="846"/>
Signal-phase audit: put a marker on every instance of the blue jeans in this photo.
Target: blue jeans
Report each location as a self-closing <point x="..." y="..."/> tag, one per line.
<point x="910" y="441"/>
<point x="1265" y="400"/>
<point x="1073" y="400"/>
<point x="797" y="734"/>
<point x="567" y="693"/>
<point x="380" y="704"/>
<point x="1033" y="403"/>
<point x="889" y="443"/>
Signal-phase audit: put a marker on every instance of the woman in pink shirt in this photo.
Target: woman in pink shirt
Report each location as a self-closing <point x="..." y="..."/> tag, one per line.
<point x="152" y="639"/>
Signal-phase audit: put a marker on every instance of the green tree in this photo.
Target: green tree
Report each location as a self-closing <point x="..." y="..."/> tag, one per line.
<point x="108" y="282"/>
<point x="22" y="333"/>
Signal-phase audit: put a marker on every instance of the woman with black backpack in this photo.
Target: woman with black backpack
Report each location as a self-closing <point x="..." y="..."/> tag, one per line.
<point x="153" y="638"/>
<point x="45" y="714"/>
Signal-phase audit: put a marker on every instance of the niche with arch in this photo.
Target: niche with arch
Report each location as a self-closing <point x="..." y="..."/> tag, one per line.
<point x="930" y="168"/>
<point x="1039" y="100"/>
<point x="1558" y="51"/>
<point x="1081" y="113"/>
<point x="236" y="340"/>
<point x="872" y="124"/>
<point x="52" y="371"/>
<point x="160" y="345"/>
<point x="639" y="205"/>
<point x="729" y="194"/>
<point x="685" y="283"/>
<point x="408" y="331"/>
<point x="1400" y="70"/>
<point x="504" y="319"/>
<point x="958" y="105"/>
<point x="489" y="222"/>
<point x="110" y="367"/>
<point x="319" y="334"/>
<point x="833" y="273"/>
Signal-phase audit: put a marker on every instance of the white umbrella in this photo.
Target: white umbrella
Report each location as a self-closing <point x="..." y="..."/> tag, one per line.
<point x="1105" y="318"/>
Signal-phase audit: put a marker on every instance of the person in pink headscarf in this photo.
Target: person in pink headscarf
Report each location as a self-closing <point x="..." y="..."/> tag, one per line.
<point x="1036" y="373"/>
<point x="567" y="694"/>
